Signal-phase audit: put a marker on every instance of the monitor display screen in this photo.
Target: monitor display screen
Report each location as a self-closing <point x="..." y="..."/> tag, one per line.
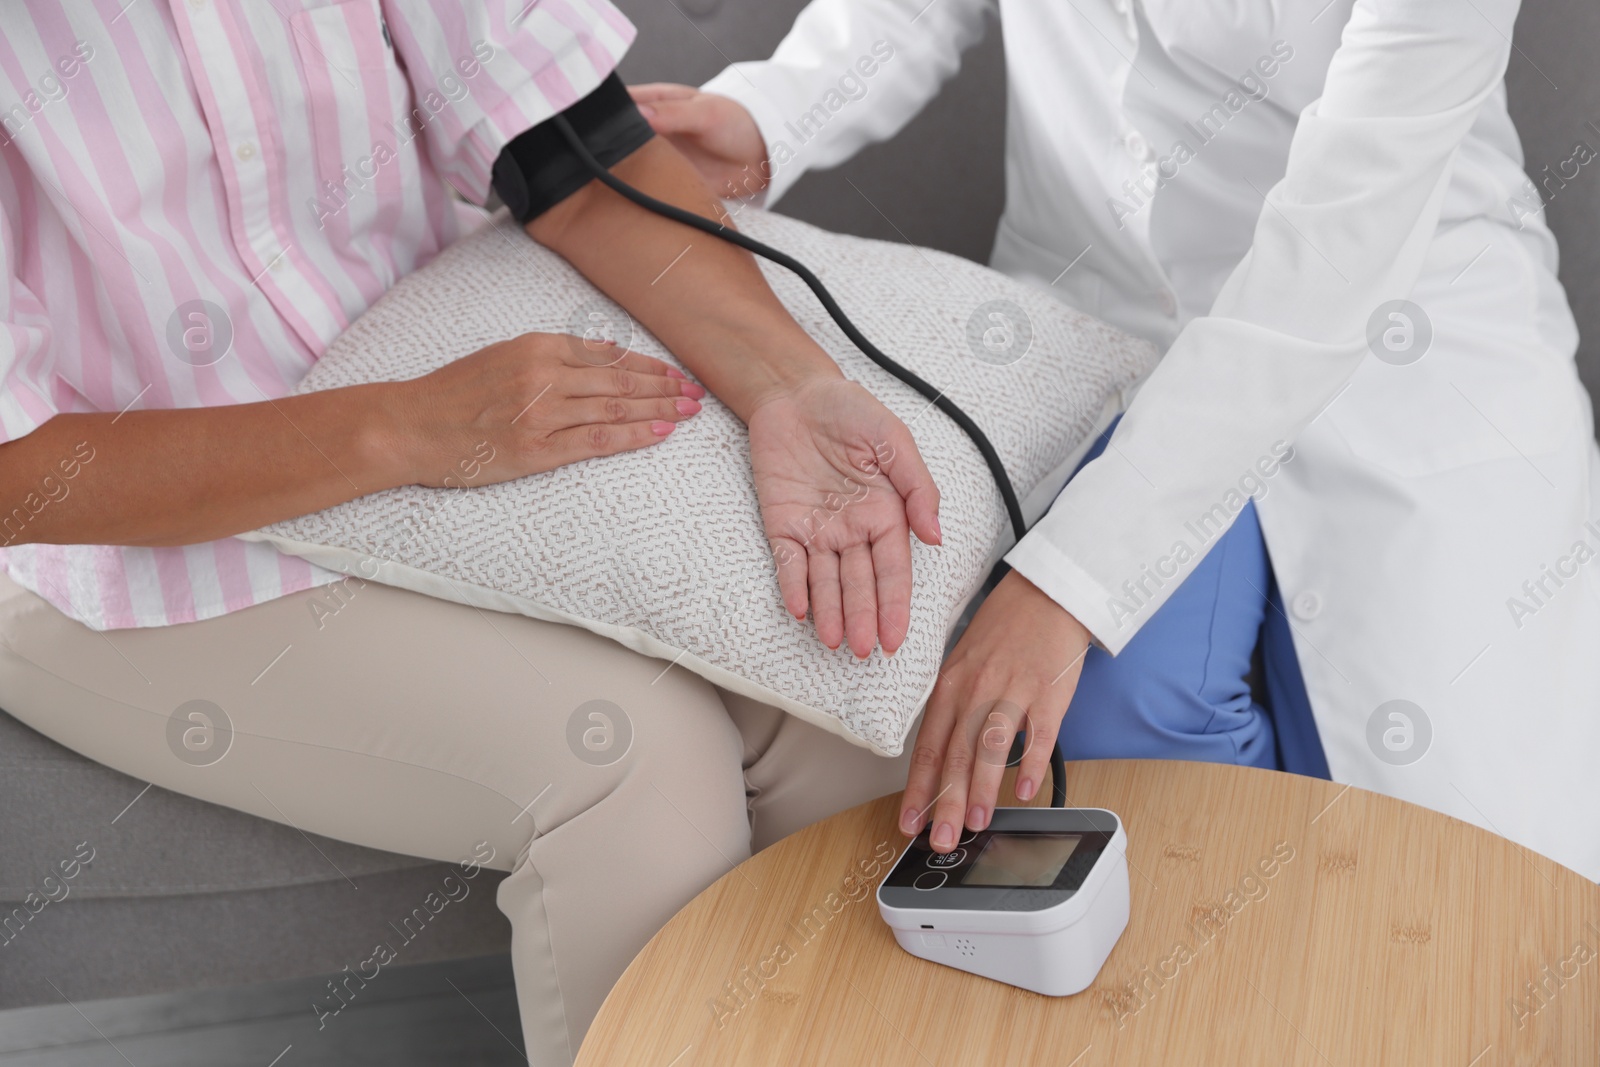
<point x="1032" y="860"/>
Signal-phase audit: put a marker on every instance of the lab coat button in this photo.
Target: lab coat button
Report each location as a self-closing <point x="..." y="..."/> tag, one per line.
<point x="1136" y="145"/>
<point x="1307" y="606"/>
<point x="1168" y="302"/>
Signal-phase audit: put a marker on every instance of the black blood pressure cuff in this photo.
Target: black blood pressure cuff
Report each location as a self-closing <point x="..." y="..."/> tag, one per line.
<point x="539" y="169"/>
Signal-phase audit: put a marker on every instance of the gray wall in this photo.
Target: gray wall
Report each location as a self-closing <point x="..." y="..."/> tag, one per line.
<point x="935" y="188"/>
<point x="1554" y="87"/>
<point x="929" y="187"/>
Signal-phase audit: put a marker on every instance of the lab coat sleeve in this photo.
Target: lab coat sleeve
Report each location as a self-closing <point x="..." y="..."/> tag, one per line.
<point x="849" y="73"/>
<point x="1344" y="231"/>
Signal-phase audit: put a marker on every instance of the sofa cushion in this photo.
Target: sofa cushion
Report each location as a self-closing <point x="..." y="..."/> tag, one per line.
<point x="154" y="843"/>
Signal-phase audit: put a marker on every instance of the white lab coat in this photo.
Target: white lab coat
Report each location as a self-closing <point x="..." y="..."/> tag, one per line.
<point x="1432" y="533"/>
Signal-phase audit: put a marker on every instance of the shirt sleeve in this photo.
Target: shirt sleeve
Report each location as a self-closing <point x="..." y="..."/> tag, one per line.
<point x="1344" y="231"/>
<point x="849" y="73"/>
<point x="26" y="368"/>
<point x="483" y="71"/>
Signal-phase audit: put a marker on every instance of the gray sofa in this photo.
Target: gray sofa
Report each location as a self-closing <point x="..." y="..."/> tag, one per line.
<point x="184" y="894"/>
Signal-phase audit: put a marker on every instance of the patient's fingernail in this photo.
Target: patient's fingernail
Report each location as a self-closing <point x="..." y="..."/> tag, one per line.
<point x="692" y="391"/>
<point x="937" y="533"/>
<point x="944" y="835"/>
<point x="662" y="428"/>
<point x="686" y="406"/>
<point x="910" y="823"/>
<point x="674" y="372"/>
<point x="646" y="110"/>
<point x="1025" y="788"/>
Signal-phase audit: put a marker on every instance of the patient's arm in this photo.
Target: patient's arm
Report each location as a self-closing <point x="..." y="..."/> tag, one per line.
<point x="182" y="476"/>
<point x="704" y="298"/>
<point x="838" y="475"/>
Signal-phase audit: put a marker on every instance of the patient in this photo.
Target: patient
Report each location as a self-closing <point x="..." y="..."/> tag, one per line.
<point x="177" y="254"/>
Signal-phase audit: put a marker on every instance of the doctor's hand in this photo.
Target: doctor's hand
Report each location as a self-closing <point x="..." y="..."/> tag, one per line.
<point x="840" y="484"/>
<point x="1016" y="665"/>
<point x="716" y="133"/>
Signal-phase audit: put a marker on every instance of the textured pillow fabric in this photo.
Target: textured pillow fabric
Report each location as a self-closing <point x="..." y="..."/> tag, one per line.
<point x="663" y="549"/>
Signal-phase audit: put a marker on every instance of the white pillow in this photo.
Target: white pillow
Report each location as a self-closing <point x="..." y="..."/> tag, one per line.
<point x="663" y="549"/>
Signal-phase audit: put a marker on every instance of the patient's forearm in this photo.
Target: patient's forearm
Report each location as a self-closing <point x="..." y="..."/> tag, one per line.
<point x="177" y="477"/>
<point x="702" y="297"/>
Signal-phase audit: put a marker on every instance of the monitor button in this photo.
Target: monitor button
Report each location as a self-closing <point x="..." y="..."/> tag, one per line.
<point x="929" y="880"/>
<point x="949" y="859"/>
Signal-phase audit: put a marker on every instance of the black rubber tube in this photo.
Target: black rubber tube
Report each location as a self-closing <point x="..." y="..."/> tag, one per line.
<point x="871" y="351"/>
<point x="1058" y="779"/>
<point x="1058" y="766"/>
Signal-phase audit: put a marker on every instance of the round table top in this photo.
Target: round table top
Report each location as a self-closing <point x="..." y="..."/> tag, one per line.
<point x="1390" y="935"/>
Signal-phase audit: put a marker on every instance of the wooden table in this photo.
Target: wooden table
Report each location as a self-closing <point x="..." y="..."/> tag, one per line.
<point x="1386" y="934"/>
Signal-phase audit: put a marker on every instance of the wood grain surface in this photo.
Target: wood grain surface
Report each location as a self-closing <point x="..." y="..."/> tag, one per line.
<point x="1275" y="920"/>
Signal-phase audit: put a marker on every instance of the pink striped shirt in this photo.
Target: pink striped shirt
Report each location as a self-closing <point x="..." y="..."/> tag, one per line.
<point x="199" y="195"/>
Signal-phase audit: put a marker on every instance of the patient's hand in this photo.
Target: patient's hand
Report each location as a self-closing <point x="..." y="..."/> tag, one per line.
<point x="537" y="402"/>
<point x="840" y="483"/>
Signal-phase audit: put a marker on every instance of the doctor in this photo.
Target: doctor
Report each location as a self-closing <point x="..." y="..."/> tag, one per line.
<point x="1319" y="210"/>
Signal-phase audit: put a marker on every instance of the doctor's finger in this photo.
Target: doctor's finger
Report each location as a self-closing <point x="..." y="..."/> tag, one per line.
<point x="994" y="726"/>
<point x="1044" y="730"/>
<point x="650" y="92"/>
<point x="927" y="757"/>
<point x="955" y="785"/>
<point x="674" y="118"/>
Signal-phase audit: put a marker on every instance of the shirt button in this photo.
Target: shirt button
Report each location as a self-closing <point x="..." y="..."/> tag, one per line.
<point x="1137" y="146"/>
<point x="1168" y="302"/>
<point x="1307" y="606"/>
<point x="246" y="151"/>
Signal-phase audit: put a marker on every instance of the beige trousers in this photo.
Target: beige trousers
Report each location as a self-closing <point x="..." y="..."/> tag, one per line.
<point x="612" y="787"/>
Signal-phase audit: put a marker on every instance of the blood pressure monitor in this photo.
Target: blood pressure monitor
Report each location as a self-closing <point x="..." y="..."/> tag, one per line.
<point x="1037" y="899"/>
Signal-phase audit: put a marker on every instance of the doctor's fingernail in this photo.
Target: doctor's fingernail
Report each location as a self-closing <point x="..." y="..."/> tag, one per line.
<point x="1025" y="788"/>
<point x="910" y="822"/>
<point x="977" y="819"/>
<point x="692" y="391"/>
<point x="686" y="406"/>
<point x="944" y="835"/>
